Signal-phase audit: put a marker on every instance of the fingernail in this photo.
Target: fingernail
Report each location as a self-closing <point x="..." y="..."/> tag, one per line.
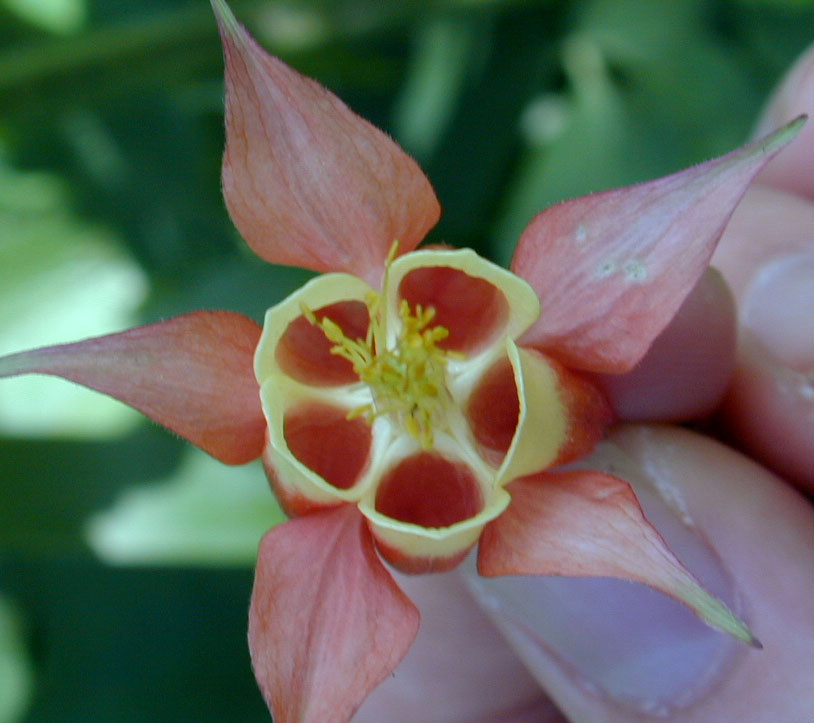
<point x="635" y="649"/>
<point x="778" y="309"/>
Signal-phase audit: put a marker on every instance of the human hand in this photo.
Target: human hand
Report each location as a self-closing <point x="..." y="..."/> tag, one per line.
<point x="767" y="257"/>
<point x="613" y="651"/>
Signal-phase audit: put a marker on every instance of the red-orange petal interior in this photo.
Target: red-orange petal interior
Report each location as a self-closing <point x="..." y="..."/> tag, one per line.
<point x="430" y="491"/>
<point x="493" y="411"/>
<point x="304" y="352"/>
<point x="472" y="309"/>
<point x="320" y="436"/>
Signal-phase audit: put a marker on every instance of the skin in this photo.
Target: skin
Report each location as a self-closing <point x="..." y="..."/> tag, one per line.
<point x="767" y="256"/>
<point x="743" y="527"/>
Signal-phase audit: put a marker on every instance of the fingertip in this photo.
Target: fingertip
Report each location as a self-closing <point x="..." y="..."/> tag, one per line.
<point x="459" y="667"/>
<point x="767" y="224"/>
<point x="769" y="412"/>
<point x="767" y="256"/>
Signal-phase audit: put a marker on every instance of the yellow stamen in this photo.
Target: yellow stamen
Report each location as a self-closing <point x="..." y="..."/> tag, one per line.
<point x="408" y="380"/>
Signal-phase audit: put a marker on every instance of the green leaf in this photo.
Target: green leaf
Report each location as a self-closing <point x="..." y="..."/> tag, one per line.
<point x="61" y="279"/>
<point x="55" y="16"/>
<point x="204" y="514"/>
<point x="442" y="61"/>
<point x="16" y="675"/>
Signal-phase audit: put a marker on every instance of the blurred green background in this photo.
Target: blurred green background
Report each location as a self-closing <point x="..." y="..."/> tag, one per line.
<point x="125" y="556"/>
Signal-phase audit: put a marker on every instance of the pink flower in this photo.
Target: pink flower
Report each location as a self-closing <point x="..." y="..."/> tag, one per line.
<point x="411" y="403"/>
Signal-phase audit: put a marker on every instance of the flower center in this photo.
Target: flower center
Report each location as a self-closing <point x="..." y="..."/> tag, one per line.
<point x="406" y="380"/>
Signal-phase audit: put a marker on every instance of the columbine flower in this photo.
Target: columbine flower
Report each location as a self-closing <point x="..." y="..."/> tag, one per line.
<point x="411" y="403"/>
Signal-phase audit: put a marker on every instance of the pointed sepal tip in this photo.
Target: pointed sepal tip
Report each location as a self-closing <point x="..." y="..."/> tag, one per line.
<point x="718" y="616"/>
<point x="783" y="135"/>
<point x="224" y="15"/>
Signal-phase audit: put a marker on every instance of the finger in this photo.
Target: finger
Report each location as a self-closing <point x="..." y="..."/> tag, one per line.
<point x="612" y="651"/>
<point x="769" y="412"/>
<point x="795" y="95"/>
<point x="688" y="368"/>
<point x="767" y="256"/>
<point x="459" y="669"/>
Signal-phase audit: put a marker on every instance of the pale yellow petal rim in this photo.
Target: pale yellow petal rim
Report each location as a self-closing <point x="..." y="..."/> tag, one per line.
<point x="278" y="394"/>
<point x="542" y="422"/>
<point x="318" y="292"/>
<point x="427" y="542"/>
<point x="524" y="306"/>
<point x="540" y="407"/>
<point x="278" y="391"/>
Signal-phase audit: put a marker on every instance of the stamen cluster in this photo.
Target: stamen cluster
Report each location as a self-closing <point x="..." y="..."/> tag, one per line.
<point x="407" y="380"/>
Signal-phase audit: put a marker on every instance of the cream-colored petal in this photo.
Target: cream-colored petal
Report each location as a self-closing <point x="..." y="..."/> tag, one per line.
<point x="523" y="304"/>
<point x="419" y="543"/>
<point x="280" y="394"/>
<point x="319" y="292"/>
<point x="408" y="545"/>
<point x="542" y="425"/>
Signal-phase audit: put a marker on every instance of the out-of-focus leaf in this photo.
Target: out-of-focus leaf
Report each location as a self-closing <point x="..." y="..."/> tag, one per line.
<point x="243" y="284"/>
<point x="61" y="279"/>
<point x="588" y="135"/>
<point x="16" y="675"/>
<point x="676" y="75"/>
<point x="51" y="487"/>
<point x="55" y="16"/>
<point x="780" y="3"/>
<point x="469" y="165"/>
<point x="292" y="26"/>
<point x="205" y="514"/>
<point x="130" y="645"/>
<point x="441" y="61"/>
<point x="775" y="32"/>
<point x="647" y="86"/>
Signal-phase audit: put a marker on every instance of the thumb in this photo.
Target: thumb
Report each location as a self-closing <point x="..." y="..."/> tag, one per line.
<point x="615" y="651"/>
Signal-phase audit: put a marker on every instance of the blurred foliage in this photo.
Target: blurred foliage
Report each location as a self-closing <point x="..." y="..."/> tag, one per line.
<point x="203" y="514"/>
<point x="48" y="256"/>
<point x="111" y="133"/>
<point x="16" y="678"/>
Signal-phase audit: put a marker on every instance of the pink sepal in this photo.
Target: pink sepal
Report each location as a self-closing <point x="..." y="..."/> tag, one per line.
<point x="192" y="374"/>
<point x="612" y="268"/>
<point x="327" y="621"/>
<point x="582" y="523"/>
<point x="575" y="523"/>
<point x="307" y="181"/>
